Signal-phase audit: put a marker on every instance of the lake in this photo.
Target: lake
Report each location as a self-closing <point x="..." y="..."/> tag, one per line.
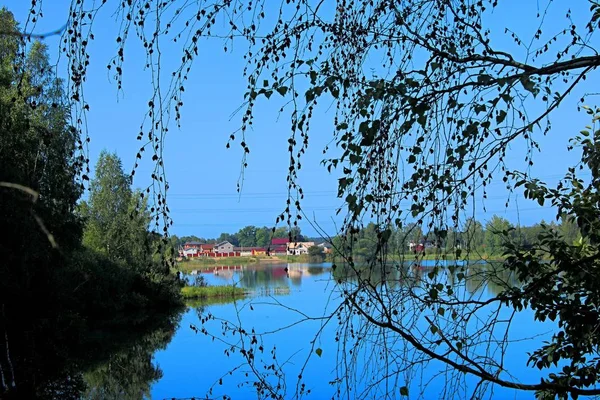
<point x="295" y="333"/>
<point x="283" y="299"/>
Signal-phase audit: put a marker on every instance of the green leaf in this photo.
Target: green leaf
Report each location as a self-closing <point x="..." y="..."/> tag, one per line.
<point x="433" y="293"/>
<point x="484" y="79"/>
<point x="441" y="311"/>
<point x="403" y="391"/>
<point x="310" y="95"/>
<point x="282" y="90"/>
<point x="500" y="117"/>
<point x="351" y="200"/>
<point x="479" y="108"/>
<point x="529" y="85"/>
<point x="319" y="351"/>
<point x="385" y="235"/>
<point x="363" y="127"/>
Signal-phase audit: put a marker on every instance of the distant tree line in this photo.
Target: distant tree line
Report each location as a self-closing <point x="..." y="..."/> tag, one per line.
<point x="475" y="237"/>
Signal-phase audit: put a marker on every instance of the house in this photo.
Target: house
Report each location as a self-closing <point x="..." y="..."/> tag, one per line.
<point x="243" y="251"/>
<point x="258" y="251"/>
<point x="327" y="247"/>
<point x="223" y="247"/>
<point x="415" y="247"/>
<point x="299" y="248"/>
<point x="201" y="249"/>
<point x="192" y="245"/>
<point x="189" y="252"/>
<point x="207" y="248"/>
<point x="278" y="246"/>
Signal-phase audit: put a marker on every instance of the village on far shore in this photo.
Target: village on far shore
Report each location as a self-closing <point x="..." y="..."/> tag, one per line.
<point x="278" y="246"/>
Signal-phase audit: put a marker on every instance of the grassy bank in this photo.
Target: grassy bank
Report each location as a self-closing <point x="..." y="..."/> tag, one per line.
<point x="211" y="292"/>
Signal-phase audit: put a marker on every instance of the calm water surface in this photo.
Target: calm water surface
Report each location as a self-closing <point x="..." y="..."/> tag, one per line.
<point x="192" y="363"/>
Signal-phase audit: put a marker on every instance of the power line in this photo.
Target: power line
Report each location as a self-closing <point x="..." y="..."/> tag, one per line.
<point x="253" y="195"/>
<point x="247" y="210"/>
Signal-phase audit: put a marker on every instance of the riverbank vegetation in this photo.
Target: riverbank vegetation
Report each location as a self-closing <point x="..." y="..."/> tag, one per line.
<point x="208" y="292"/>
<point x="66" y="263"/>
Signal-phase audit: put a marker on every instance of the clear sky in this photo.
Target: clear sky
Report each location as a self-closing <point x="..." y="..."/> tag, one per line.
<point x="203" y="174"/>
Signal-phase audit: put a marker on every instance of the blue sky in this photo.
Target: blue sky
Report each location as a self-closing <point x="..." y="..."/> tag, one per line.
<point x="203" y="174"/>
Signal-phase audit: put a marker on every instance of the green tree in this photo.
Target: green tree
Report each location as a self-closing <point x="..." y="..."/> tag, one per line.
<point x="284" y="233"/>
<point x="263" y="236"/>
<point x="316" y="254"/>
<point x="247" y="236"/>
<point x="229" y="238"/>
<point x="117" y="218"/>
<point x="38" y="178"/>
<point x="559" y="275"/>
<point x="493" y="234"/>
<point x="453" y="240"/>
<point x="39" y="188"/>
<point x="474" y="235"/>
<point x="568" y="229"/>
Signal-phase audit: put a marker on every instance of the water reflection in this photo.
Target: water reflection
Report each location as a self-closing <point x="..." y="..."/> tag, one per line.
<point x="108" y="363"/>
<point x="129" y="372"/>
<point x="67" y="358"/>
<point x="315" y="290"/>
<point x="489" y="279"/>
<point x="261" y="278"/>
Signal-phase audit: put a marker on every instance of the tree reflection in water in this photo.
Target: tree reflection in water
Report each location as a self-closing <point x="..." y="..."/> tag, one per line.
<point x="67" y="360"/>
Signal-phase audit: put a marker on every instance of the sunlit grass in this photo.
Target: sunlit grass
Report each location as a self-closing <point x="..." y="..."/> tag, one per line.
<point x="205" y="292"/>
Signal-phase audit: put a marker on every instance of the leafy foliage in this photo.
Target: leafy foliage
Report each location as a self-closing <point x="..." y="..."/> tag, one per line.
<point x="115" y="226"/>
<point x="564" y="289"/>
<point x="50" y="284"/>
<point x="316" y="254"/>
